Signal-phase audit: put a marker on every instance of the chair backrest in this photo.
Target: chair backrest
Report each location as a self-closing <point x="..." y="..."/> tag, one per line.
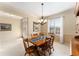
<point x="34" y="35"/>
<point x="52" y="39"/>
<point x="48" y="40"/>
<point x="26" y="43"/>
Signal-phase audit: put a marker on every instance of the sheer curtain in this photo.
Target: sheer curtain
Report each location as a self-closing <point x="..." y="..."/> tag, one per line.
<point x="24" y="27"/>
<point x="55" y="26"/>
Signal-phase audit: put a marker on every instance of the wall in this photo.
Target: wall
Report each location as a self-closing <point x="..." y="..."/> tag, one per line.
<point x="44" y="28"/>
<point x="68" y="23"/>
<point x="32" y="19"/>
<point x="77" y="25"/>
<point x="9" y="37"/>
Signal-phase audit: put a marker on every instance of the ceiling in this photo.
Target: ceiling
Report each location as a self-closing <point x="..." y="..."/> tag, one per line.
<point x="34" y="8"/>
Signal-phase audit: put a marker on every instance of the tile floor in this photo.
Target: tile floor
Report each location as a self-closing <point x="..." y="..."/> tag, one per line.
<point x="18" y="50"/>
<point x="60" y="49"/>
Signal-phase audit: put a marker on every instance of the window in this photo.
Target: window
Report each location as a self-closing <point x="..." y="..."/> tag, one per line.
<point x="55" y="25"/>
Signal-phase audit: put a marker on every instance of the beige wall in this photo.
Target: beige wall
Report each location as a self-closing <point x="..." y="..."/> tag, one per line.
<point x="44" y="28"/>
<point x="8" y="37"/>
<point x="68" y="25"/>
<point x="69" y="22"/>
<point x="32" y="19"/>
<point x="77" y="26"/>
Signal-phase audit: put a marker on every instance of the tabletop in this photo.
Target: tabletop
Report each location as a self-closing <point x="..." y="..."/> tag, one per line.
<point x="39" y="41"/>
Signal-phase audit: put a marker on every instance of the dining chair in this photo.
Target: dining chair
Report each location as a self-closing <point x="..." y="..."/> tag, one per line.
<point x="52" y="40"/>
<point x="30" y="50"/>
<point x="48" y="45"/>
<point x="42" y="50"/>
<point x="45" y="48"/>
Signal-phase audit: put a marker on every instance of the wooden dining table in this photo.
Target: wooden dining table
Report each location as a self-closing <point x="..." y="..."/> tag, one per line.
<point x="40" y="41"/>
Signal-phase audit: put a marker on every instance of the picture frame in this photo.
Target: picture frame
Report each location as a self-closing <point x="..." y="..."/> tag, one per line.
<point x="5" y="27"/>
<point x="36" y="27"/>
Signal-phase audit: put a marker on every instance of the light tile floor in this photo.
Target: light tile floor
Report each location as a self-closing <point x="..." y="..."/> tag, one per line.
<point x="18" y="50"/>
<point x="60" y="49"/>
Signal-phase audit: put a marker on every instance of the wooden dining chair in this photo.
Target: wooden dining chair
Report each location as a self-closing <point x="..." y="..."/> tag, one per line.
<point x="52" y="41"/>
<point x="30" y="50"/>
<point x="42" y="50"/>
<point x="45" y="48"/>
<point x="48" y="45"/>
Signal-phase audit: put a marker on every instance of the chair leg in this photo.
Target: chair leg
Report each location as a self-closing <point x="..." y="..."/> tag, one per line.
<point x="49" y="51"/>
<point x="29" y="54"/>
<point x="44" y="53"/>
<point x="25" y="54"/>
<point x="53" y="49"/>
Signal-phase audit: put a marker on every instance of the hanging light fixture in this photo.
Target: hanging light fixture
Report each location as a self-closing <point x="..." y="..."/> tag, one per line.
<point x="42" y="20"/>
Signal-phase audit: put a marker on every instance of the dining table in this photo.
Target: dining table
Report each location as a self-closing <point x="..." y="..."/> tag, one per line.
<point x="40" y="43"/>
<point x="39" y="40"/>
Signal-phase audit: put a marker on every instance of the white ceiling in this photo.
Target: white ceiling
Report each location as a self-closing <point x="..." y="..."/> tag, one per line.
<point x="34" y="8"/>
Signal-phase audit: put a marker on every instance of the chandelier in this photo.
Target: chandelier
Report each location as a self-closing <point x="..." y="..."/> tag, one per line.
<point x="42" y="19"/>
